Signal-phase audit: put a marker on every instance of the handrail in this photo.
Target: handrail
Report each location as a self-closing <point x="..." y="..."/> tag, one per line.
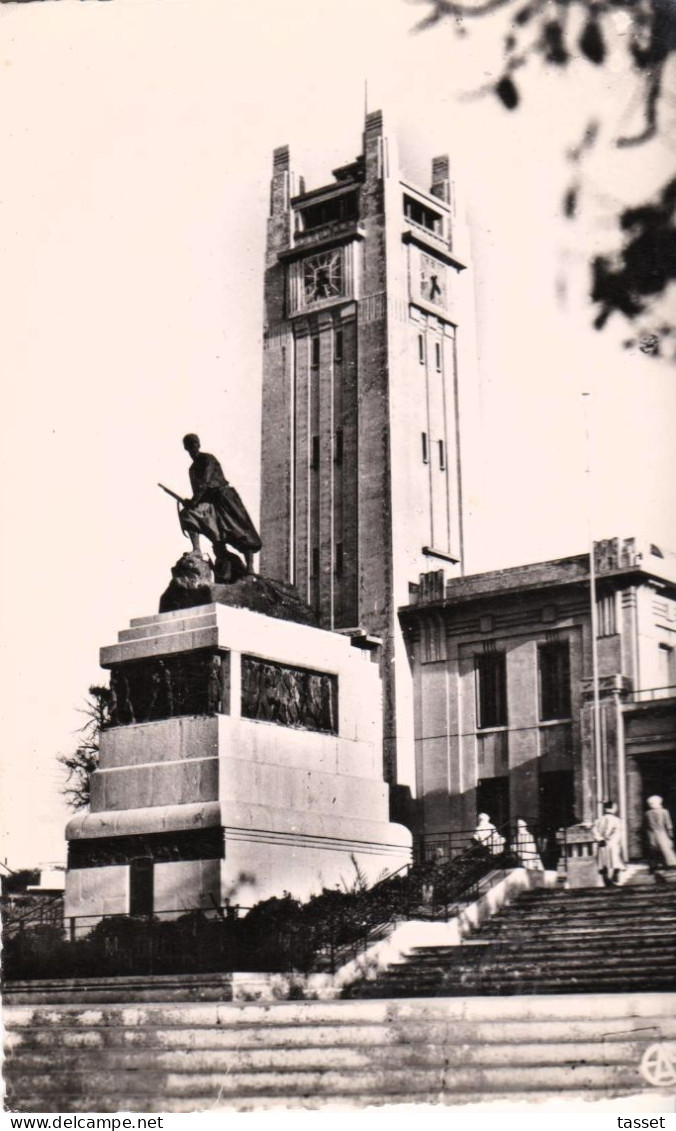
<point x="649" y="694"/>
<point x="36" y="911"/>
<point x="420" y="892"/>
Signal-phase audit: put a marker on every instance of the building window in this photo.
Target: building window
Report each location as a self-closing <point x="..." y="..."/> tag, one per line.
<point x="141" y="896"/>
<point x="442" y="455"/>
<point x="339" y="559"/>
<point x="314" y="353"/>
<point x="425" y="452"/>
<point x="330" y="211"/>
<point x="314" y="563"/>
<point x="314" y="462"/>
<point x="606" y="616"/>
<point x="491" y="689"/>
<point x="421" y="349"/>
<point x="665" y="676"/>
<point x="338" y="346"/>
<point x="423" y="216"/>
<point x="437" y="355"/>
<point x="338" y="450"/>
<point x="554" y="679"/>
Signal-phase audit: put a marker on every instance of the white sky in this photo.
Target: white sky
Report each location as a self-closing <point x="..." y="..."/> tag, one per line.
<point x="135" y="146"/>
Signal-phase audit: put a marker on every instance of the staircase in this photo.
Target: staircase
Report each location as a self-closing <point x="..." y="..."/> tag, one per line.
<point x="609" y="940"/>
<point x="193" y="1056"/>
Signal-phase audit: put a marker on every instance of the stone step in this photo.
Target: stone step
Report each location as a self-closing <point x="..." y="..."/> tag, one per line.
<point x="633" y="917"/>
<point x="462" y="977"/>
<point x="355" y="1056"/>
<point x="101" y="991"/>
<point x="327" y="1082"/>
<point x="530" y="949"/>
<point x="558" y="931"/>
<point x="572" y="1100"/>
<point x="487" y="964"/>
<point x="414" y="1031"/>
<point x="490" y="989"/>
<point x="166" y="1057"/>
<point x="268" y="1015"/>
<point x="496" y="963"/>
<point x="458" y="975"/>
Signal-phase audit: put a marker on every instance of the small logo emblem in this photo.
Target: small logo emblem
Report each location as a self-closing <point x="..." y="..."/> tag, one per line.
<point x="658" y="1065"/>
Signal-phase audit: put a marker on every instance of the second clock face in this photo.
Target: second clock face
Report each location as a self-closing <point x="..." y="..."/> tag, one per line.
<point x="323" y="276"/>
<point x="432" y="280"/>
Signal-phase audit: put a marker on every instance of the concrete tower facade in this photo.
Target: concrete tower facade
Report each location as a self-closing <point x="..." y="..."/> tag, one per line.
<point x="366" y="304"/>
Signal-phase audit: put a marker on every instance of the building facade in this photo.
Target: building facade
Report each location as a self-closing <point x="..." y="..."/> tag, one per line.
<point x="368" y="325"/>
<point x="504" y="708"/>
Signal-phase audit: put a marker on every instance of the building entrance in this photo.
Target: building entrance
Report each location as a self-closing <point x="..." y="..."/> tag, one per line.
<point x="647" y="774"/>
<point x="492" y="797"/>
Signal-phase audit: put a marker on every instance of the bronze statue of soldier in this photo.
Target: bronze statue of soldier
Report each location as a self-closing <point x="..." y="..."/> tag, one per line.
<point x="216" y="511"/>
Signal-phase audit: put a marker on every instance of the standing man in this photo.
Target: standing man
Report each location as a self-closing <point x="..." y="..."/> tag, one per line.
<point x="215" y="509"/>
<point x="608" y="831"/>
<point x="660" y="833"/>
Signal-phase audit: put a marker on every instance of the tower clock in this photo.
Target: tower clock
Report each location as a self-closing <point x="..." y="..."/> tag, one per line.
<point x="322" y="276"/>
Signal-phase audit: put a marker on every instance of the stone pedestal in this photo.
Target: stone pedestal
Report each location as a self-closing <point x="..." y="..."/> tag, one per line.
<point x="244" y="761"/>
<point x="579" y="857"/>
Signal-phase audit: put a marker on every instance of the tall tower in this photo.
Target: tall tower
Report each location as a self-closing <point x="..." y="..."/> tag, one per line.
<point x="361" y="488"/>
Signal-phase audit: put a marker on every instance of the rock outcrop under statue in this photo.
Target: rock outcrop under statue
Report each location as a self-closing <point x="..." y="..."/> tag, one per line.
<point x="193" y="583"/>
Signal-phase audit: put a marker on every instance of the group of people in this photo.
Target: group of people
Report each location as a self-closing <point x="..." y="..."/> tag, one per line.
<point x="659" y="832"/>
<point x="522" y="846"/>
<point x="608" y="833"/>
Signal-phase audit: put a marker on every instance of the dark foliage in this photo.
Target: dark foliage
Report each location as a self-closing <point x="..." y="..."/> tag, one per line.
<point x="84" y="760"/>
<point x="278" y="935"/>
<point x="630" y="282"/>
<point x="646" y="263"/>
<point x="17" y="882"/>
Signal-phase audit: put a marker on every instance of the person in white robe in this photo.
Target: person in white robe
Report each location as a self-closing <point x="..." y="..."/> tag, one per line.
<point x="608" y="833"/>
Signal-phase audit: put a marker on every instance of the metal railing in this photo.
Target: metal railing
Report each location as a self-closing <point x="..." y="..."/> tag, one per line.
<point x="650" y="694"/>
<point x="278" y="935"/>
<point x="22" y="912"/>
<point x="518" y="841"/>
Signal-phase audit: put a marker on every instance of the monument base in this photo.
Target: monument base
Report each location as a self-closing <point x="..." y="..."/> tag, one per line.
<point x="232" y="773"/>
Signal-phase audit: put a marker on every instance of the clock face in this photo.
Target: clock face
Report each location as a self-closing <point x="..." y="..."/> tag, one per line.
<point x="323" y="276"/>
<point x="432" y="280"/>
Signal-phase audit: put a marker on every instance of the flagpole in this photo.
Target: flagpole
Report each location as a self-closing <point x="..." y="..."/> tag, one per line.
<point x="596" y="714"/>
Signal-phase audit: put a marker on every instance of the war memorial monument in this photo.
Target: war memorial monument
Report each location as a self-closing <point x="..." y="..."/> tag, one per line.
<point x="275" y="731"/>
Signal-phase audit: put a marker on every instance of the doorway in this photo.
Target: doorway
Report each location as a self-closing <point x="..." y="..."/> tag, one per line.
<point x="647" y="774"/>
<point x="141" y="886"/>
<point x="492" y="797"/>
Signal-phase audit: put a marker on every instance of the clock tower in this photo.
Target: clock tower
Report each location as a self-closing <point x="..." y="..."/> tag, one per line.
<point x="368" y="316"/>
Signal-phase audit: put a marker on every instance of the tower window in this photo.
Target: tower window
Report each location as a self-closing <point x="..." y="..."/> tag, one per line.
<point x="338" y="346"/>
<point x="314" y="353"/>
<point x="554" y="679"/>
<point x="442" y="455"/>
<point x="314" y="463"/>
<point x="425" y="217"/>
<point x="437" y="355"/>
<point x="491" y="689"/>
<point x="338" y="451"/>
<point x="329" y="211"/>
<point x="425" y="451"/>
<point x="339" y="559"/>
<point x="421" y="349"/>
<point x="314" y="565"/>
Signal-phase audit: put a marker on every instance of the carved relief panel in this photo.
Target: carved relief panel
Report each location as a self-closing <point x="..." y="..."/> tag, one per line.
<point x="292" y="697"/>
<point x="194" y="683"/>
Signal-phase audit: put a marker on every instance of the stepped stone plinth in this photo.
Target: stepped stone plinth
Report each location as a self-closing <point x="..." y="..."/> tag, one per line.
<point x="243" y="760"/>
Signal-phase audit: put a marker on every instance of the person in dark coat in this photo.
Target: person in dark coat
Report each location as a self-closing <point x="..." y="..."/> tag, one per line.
<point x="215" y="509"/>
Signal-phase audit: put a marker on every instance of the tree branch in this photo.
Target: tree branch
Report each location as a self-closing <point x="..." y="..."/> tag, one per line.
<point x="651" y="103"/>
